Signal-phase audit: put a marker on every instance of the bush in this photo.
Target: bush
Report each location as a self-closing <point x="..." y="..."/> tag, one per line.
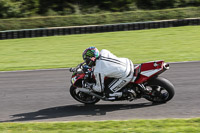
<point x="29" y="7"/>
<point x="9" y="9"/>
<point x="163" y="4"/>
<point x="92" y="19"/>
<point x="154" y="4"/>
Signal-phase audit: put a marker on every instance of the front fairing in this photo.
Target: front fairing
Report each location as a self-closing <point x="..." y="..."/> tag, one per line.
<point x="77" y="79"/>
<point x="81" y="74"/>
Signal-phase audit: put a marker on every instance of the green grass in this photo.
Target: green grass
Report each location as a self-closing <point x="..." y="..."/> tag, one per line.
<point x="130" y="126"/>
<point x="169" y="44"/>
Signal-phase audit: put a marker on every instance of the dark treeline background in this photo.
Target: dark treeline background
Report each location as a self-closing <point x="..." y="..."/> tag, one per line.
<point x="27" y="8"/>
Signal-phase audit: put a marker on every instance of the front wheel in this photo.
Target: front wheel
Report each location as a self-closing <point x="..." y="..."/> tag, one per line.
<point x="83" y="97"/>
<point x="160" y="90"/>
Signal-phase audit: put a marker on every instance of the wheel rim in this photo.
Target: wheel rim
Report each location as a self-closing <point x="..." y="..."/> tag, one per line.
<point x="157" y="93"/>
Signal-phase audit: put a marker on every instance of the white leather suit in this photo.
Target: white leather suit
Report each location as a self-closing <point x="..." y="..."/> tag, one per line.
<point x="108" y="65"/>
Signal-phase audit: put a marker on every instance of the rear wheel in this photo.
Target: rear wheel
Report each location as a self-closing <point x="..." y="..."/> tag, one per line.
<point x="83" y="97"/>
<point x="160" y="90"/>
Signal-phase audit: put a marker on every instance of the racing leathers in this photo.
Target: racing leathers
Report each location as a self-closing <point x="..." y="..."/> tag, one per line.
<point x="108" y="65"/>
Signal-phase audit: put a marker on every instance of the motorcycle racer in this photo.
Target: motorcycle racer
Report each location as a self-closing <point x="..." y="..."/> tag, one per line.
<point x="106" y="64"/>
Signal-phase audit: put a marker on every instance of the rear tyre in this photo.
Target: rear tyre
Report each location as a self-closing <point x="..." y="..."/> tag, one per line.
<point x="160" y="90"/>
<point x="83" y="97"/>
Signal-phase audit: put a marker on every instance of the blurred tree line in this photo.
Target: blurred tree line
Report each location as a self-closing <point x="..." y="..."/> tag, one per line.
<point x="27" y="8"/>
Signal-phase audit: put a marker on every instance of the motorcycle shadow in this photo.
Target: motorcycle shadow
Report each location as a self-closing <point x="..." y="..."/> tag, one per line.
<point x="75" y="110"/>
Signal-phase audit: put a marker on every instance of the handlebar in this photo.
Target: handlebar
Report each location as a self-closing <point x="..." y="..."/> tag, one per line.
<point x="82" y="66"/>
<point x="76" y="68"/>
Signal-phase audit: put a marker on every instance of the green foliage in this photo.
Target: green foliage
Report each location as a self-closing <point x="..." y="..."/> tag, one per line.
<point x="26" y="8"/>
<point x="29" y="7"/>
<point x="162" y="4"/>
<point x="9" y="9"/>
<point x="115" y="5"/>
<point x="92" y="19"/>
<point x="18" y="8"/>
<point x="185" y="3"/>
<point x="155" y="4"/>
<point x="84" y="6"/>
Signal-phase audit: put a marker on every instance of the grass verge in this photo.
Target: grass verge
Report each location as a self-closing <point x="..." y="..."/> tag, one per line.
<point x="130" y="126"/>
<point x="169" y="44"/>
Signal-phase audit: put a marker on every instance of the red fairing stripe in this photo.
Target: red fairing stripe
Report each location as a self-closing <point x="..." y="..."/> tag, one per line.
<point x="148" y="70"/>
<point x="151" y="65"/>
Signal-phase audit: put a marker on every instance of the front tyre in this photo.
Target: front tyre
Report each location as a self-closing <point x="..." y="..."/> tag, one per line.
<point x="160" y="90"/>
<point x="83" y="97"/>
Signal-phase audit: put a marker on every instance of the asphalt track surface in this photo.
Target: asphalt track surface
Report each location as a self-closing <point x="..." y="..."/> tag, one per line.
<point x="44" y="96"/>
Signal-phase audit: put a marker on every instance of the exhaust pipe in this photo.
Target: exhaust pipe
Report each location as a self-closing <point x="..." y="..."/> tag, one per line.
<point x="89" y="92"/>
<point x="166" y="66"/>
